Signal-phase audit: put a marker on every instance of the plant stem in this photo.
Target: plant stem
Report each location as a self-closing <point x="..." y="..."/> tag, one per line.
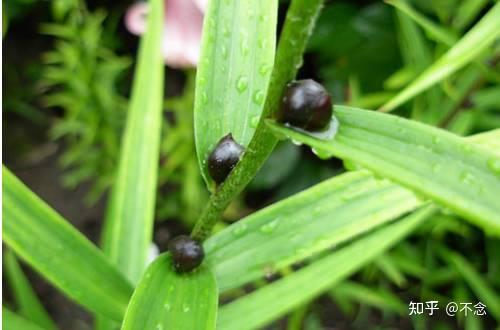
<point x="299" y="22"/>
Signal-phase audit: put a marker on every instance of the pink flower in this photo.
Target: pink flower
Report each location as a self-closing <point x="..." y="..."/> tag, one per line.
<point x="182" y="32"/>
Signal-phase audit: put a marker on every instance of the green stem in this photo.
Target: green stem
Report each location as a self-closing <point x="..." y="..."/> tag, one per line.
<point x="299" y="22"/>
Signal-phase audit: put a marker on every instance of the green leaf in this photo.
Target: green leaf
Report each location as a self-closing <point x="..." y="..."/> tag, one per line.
<point x="289" y="231"/>
<point x="165" y="299"/>
<point x="13" y="321"/>
<point x="449" y="169"/>
<point x="382" y="299"/>
<point x="48" y="243"/>
<point x="272" y="301"/>
<point x="490" y="140"/>
<point x="476" y="282"/>
<point x="434" y="31"/>
<point x="130" y="213"/>
<point x="28" y="304"/>
<point x="472" y="45"/>
<point x="237" y="53"/>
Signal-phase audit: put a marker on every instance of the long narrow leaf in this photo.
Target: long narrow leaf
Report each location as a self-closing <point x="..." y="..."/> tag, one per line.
<point x="13" y="321"/>
<point x="289" y="231"/>
<point x="48" y="243"/>
<point x="270" y="302"/>
<point x="28" y="304"/>
<point x="449" y="169"/>
<point x="239" y="41"/>
<point x="130" y="213"/>
<point x="473" y="44"/>
<point x="481" y="288"/>
<point x="167" y="300"/>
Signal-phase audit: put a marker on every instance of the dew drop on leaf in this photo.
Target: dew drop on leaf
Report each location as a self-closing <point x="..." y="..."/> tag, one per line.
<point x="242" y="84"/>
<point x="258" y="97"/>
<point x="269" y="227"/>
<point x="264" y="69"/>
<point x="186" y="308"/>
<point x="322" y="154"/>
<point x="327" y="134"/>
<point x="467" y="178"/>
<point x="254" y="122"/>
<point x="167" y="306"/>
<point x="239" y="229"/>
<point x="494" y="165"/>
<point x="159" y="326"/>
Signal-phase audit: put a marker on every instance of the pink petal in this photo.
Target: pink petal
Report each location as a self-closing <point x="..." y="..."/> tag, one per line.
<point x="135" y="18"/>
<point x="202" y="5"/>
<point x="182" y="35"/>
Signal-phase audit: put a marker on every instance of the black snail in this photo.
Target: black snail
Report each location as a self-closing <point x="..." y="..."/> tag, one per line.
<point x="224" y="158"/>
<point x="186" y="252"/>
<point x="306" y="104"/>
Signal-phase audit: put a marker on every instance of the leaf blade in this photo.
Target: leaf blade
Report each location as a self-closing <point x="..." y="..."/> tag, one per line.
<point x="451" y="170"/>
<point x="237" y="55"/>
<point x="38" y="234"/>
<point x="11" y="320"/>
<point x="260" y="307"/>
<point x="296" y="228"/>
<point x="29" y="306"/>
<point x="175" y="301"/>
<point x="130" y="212"/>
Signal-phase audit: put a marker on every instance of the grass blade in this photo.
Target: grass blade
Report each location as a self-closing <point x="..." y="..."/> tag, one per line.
<point x="130" y="213"/>
<point x="239" y="41"/>
<point x="476" y="281"/>
<point x="166" y="300"/>
<point x="289" y="231"/>
<point x="13" y="321"/>
<point x="48" y="243"/>
<point x="434" y="31"/>
<point x="472" y="44"/>
<point x="28" y="304"/>
<point x="262" y="306"/>
<point x="451" y="170"/>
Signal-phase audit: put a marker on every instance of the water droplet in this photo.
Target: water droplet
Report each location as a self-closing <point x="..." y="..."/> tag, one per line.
<point x="186" y="308"/>
<point x="317" y="211"/>
<point x="436" y="167"/>
<point x="467" y="178"/>
<point x="322" y="154"/>
<point x="268" y="271"/>
<point x="204" y="98"/>
<point x="159" y="326"/>
<point x="242" y="84"/>
<point x="466" y="147"/>
<point x="224" y="52"/>
<point x="264" y="69"/>
<point x="239" y="229"/>
<point x="297" y="143"/>
<point x="254" y="122"/>
<point x="167" y="306"/>
<point x="436" y="140"/>
<point x="299" y="63"/>
<point x="494" y="165"/>
<point x="258" y="97"/>
<point x="326" y="135"/>
<point x="244" y="46"/>
<point x="269" y="227"/>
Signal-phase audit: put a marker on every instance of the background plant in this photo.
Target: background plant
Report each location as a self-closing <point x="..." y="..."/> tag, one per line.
<point x="296" y="242"/>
